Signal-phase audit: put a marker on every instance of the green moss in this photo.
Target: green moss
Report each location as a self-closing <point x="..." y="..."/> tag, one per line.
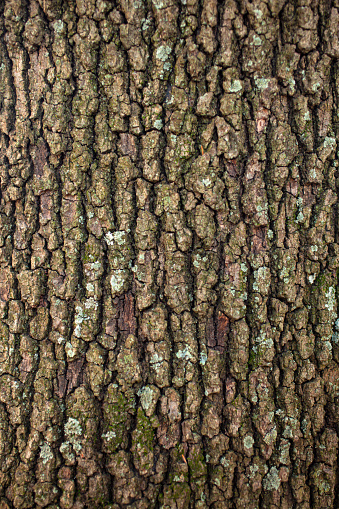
<point x="144" y="433"/>
<point x="117" y="408"/>
<point x="252" y="359"/>
<point x="178" y="492"/>
<point x="142" y="443"/>
<point x="197" y="465"/>
<point x="321" y="281"/>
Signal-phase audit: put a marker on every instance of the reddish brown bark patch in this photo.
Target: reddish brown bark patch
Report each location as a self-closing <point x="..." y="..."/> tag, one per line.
<point x="127" y="323"/>
<point x="222" y="331"/>
<point x="259" y="240"/>
<point x="39" y="154"/>
<point x="72" y="379"/>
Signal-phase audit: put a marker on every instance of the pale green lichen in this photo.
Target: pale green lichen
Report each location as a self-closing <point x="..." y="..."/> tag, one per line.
<point x="81" y="316"/>
<point x="236" y="86"/>
<point x="202" y="358"/>
<point x="327" y="345"/>
<point x="109" y="435"/>
<point x="90" y="287"/>
<point x="304" y="426"/>
<point x="324" y="487"/>
<point x="261" y="279"/>
<point x="72" y="427"/>
<point x="272" y="480"/>
<point x="293" y="425"/>
<point x="146" y="24"/>
<point x="271" y="436"/>
<point x="158" y="4"/>
<point x="261" y="83"/>
<point x="118" y="279"/>
<point x="155" y="358"/>
<point x="284" y="453"/>
<point x="335" y="336"/>
<point x="146" y="397"/>
<point x="300" y="217"/>
<point x="331" y="300"/>
<point x="206" y="182"/>
<point x="91" y="303"/>
<point x="73" y="431"/>
<point x="109" y="238"/>
<point x="70" y="350"/>
<point x="288" y="432"/>
<point x="45" y="453"/>
<point x="248" y="442"/>
<point x="58" y="26"/>
<point x="284" y="274"/>
<point x="163" y="53"/>
<point x="258" y="13"/>
<point x="313" y="173"/>
<point x="263" y="341"/>
<point x="158" y="124"/>
<point x="118" y="237"/>
<point x="65" y="449"/>
<point x="184" y="354"/>
<point x="257" y="40"/>
<point x="253" y="470"/>
<point x="198" y="259"/>
<point x="94" y="265"/>
<point x="291" y="82"/>
<point x="224" y="462"/>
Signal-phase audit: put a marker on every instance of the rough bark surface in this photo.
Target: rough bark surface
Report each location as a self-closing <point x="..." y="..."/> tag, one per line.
<point x="169" y="254"/>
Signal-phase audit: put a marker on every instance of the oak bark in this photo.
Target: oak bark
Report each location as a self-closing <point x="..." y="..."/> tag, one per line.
<point x="169" y="254"/>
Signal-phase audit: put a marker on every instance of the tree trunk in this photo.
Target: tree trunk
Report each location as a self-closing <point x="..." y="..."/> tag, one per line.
<point x="169" y="254"/>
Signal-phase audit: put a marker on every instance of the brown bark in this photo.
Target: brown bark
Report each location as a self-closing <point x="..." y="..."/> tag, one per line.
<point x="169" y="254"/>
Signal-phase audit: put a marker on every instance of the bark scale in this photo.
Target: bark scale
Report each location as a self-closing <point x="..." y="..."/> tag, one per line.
<point x="169" y="254"/>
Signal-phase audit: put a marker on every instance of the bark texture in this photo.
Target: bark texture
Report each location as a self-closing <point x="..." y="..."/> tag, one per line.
<point x="169" y="254"/>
